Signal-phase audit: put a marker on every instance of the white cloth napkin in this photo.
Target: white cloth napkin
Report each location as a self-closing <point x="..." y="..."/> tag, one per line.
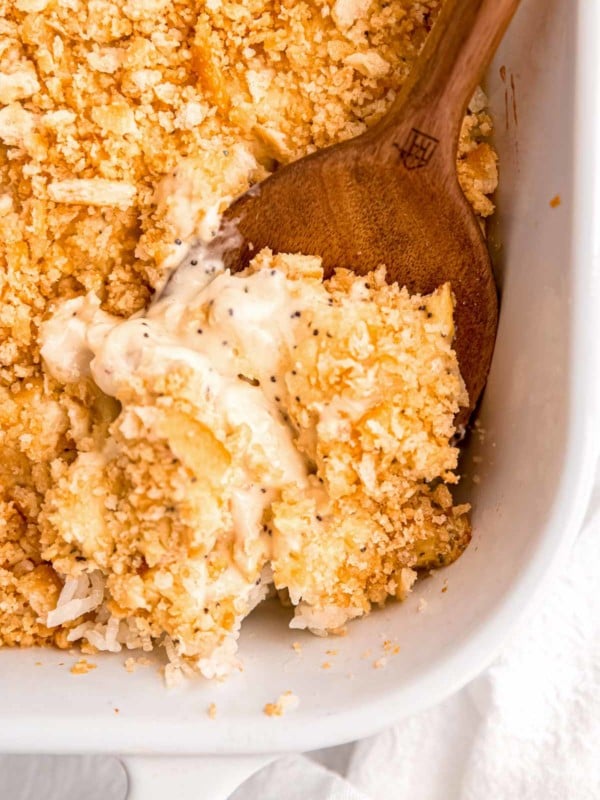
<point x="526" y="729"/>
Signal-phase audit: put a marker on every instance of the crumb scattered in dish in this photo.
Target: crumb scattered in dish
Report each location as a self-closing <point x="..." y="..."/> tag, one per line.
<point x="82" y="667"/>
<point x="285" y="703"/>
<point x="212" y="711"/>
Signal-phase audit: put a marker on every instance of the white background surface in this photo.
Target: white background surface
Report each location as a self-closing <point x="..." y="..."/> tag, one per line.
<point x="527" y="728"/>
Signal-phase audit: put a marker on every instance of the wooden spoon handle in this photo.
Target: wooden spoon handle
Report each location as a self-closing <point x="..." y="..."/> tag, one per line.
<point x="434" y="98"/>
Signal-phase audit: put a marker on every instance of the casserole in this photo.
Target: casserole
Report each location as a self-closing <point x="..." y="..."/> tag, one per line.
<point x="535" y="451"/>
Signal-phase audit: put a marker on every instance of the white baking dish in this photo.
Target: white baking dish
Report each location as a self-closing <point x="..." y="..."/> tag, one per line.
<point x="538" y="458"/>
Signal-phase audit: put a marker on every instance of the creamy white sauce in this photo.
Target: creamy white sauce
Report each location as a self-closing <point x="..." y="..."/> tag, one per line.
<point x="221" y="326"/>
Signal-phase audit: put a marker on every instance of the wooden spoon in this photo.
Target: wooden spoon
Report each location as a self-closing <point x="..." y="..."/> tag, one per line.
<point x="391" y="196"/>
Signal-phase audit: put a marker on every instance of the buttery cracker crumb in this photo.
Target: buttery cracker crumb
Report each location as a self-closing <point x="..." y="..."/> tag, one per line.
<point x="212" y="711"/>
<point x="31" y="6"/>
<point x="287" y="701"/>
<point x="380" y="662"/>
<point x="19" y="84"/>
<point x="82" y="667"/>
<point x="370" y="64"/>
<point x="297" y="647"/>
<point x="92" y="192"/>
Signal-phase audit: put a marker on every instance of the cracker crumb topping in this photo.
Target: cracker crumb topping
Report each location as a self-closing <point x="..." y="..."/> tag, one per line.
<point x="286" y="702"/>
<point x="125" y="128"/>
<point x="82" y="667"/>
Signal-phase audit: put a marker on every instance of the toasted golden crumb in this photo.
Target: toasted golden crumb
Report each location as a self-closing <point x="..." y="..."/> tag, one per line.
<point x="556" y="201"/>
<point x="82" y="667"/>
<point x="380" y="663"/>
<point x="287" y="701"/>
<point x="212" y="711"/>
<point x="297" y="647"/>
<point x="376" y="515"/>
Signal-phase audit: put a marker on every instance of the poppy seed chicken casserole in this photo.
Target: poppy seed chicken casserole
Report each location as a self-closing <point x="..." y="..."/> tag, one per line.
<point x="165" y="463"/>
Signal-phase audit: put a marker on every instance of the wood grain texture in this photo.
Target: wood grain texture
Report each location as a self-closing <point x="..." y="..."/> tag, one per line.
<point x="391" y="196"/>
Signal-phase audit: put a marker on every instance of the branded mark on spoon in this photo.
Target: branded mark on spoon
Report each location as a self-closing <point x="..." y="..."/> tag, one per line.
<point x="417" y="150"/>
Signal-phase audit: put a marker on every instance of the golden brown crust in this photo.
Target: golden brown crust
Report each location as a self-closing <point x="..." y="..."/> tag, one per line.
<point x="107" y="112"/>
<point x="375" y="515"/>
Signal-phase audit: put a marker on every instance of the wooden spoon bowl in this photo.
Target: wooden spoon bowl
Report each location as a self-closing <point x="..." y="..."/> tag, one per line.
<point x="391" y="196"/>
